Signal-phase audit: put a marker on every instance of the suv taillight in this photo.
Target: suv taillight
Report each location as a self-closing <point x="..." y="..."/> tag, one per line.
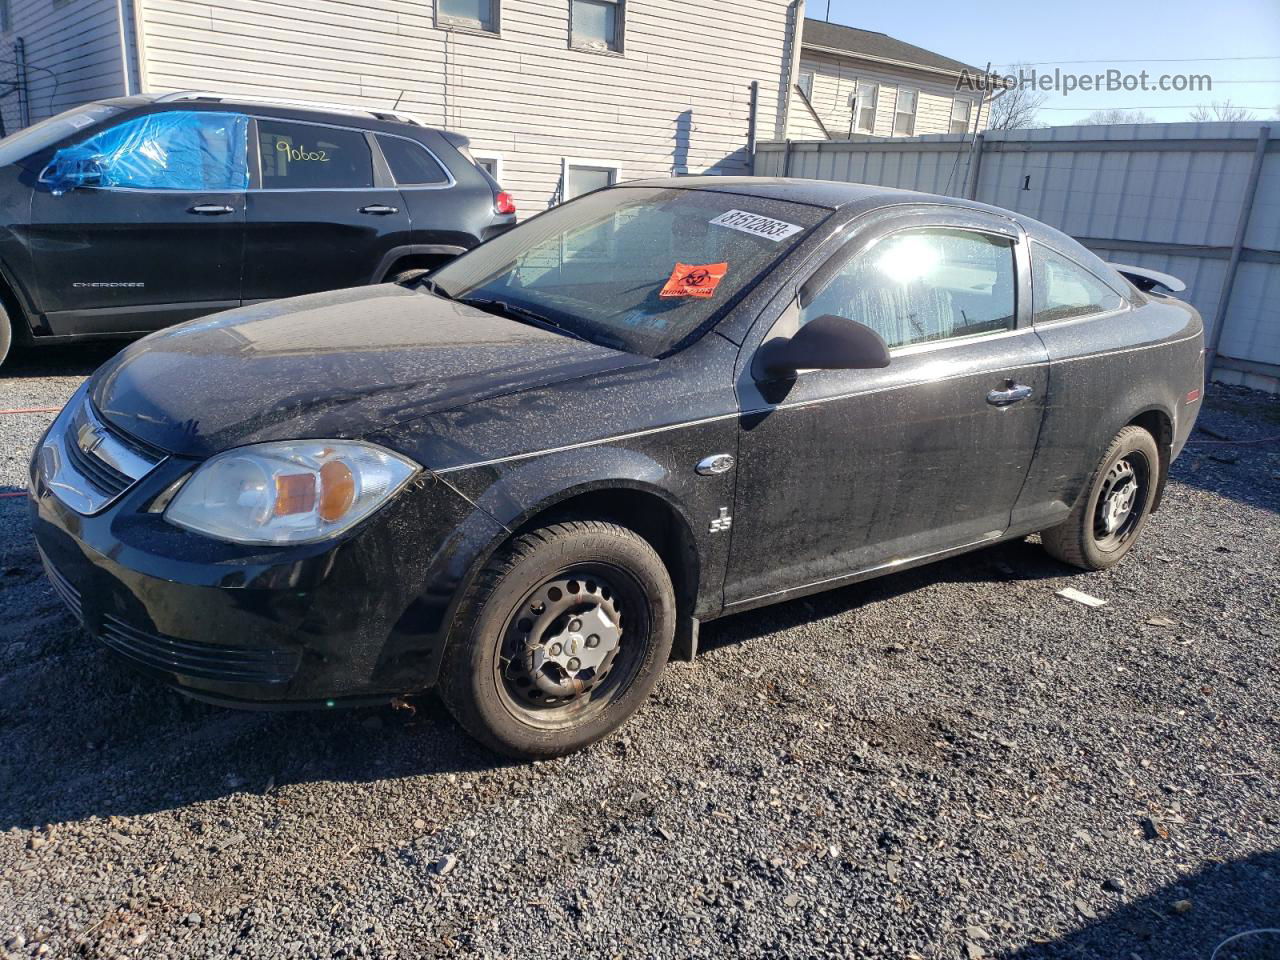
<point x="503" y="203"/>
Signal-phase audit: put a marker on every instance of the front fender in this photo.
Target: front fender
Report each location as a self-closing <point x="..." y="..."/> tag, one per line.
<point x="654" y="473"/>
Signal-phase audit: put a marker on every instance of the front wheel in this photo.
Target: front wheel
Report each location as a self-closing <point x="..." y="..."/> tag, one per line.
<point x="561" y="639"/>
<point x="1106" y="522"/>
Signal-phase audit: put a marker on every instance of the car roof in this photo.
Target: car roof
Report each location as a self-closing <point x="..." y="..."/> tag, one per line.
<point x="854" y="198"/>
<point x="279" y="106"/>
<point x="819" y="193"/>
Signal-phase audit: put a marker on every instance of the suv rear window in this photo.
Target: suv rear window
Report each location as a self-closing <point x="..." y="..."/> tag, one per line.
<point x="410" y="162"/>
<point x="307" y="156"/>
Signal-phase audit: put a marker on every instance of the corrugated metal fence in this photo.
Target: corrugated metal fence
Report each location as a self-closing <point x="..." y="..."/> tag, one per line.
<point x="1198" y="200"/>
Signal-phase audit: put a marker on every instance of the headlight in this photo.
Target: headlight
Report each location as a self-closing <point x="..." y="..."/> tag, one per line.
<point x="288" y="492"/>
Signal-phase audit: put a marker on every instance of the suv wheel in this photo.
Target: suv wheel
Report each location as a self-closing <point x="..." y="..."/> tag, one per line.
<point x="561" y="639"/>
<point x="6" y="334"/>
<point x="1106" y="522"/>
<point x="405" y="277"/>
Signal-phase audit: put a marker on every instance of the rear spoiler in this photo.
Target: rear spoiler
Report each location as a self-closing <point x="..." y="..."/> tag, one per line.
<point x="1145" y="279"/>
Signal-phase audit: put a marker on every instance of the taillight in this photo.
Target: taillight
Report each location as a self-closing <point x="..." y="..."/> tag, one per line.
<point x="503" y="203"/>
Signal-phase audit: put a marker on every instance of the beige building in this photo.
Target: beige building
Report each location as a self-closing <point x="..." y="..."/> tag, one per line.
<point x="854" y="83"/>
<point x="558" y="96"/>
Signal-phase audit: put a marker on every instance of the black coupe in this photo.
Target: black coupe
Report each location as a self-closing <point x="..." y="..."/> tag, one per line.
<point x="524" y="478"/>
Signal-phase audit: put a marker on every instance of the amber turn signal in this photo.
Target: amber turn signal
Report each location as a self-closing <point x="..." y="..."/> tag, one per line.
<point x="337" y="490"/>
<point x="295" y="493"/>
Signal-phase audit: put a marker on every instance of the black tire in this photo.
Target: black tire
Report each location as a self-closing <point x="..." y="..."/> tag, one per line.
<point x="6" y="334"/>
<point x="490" y="679"/>
<point x="408" y="276"/>
<point x="1085" y="538"/>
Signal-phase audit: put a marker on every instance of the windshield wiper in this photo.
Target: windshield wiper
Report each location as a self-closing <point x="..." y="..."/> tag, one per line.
<point x="523" y="314"/>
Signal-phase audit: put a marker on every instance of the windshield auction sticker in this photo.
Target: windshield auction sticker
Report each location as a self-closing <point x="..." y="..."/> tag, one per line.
<point x="756" y="225"/>
<point x="694" y="281"/>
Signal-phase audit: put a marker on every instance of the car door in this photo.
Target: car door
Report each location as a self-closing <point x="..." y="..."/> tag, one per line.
<point x="843" y="472"/>
<point x="321" y="215"/>
<point x="150" y="228"/>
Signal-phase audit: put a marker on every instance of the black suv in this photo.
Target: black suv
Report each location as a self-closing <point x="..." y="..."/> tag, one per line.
<point x="126" y="215"/>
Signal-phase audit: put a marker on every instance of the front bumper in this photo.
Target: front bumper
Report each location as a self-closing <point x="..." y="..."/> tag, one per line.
<point x="364" y="617"/>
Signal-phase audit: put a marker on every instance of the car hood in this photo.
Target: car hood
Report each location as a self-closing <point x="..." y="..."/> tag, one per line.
<point x="341" y="364"/>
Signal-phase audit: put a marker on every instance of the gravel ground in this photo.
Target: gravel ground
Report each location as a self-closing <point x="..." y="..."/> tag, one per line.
<point x="950" y="762"/>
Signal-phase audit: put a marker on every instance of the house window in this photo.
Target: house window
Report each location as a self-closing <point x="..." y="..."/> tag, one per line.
<point x="960" y="111"/>
<point x="490" y="164"/>
<point x="806" y="84"/>
<point x="904" y="114"/>
<point x="596" y="25"/>
<point x="865" y="102"/>
<point x="580" y="178"/>
<point x="468" y="14"/>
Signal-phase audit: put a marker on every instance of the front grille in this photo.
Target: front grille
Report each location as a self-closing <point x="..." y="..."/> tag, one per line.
<point x="105" y="478"/>
<point x="208" y="661"/>
<point x="63" y="588"/>
<point x="87" y="463"/>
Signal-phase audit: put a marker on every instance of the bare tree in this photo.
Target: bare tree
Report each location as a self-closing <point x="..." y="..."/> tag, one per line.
<point x="1222" y="111"/>
<point x="1115" y="115"/>
<point x="1016" y="106"/>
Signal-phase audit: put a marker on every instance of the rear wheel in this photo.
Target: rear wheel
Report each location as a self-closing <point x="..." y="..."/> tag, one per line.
<point x="1106" y="522"/>
<point x="561" y="639"/>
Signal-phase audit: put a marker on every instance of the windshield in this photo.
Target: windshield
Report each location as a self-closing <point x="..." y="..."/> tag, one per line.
<point x="642" y="269"/>
<point x="36" y="137"/>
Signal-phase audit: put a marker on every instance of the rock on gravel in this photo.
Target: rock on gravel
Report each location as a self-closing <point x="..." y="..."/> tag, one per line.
<point x="888" y="770"/>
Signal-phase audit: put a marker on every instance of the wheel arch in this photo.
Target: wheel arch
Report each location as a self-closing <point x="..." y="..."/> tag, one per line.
<point x="414" y="256"/>
<point x="647" y="510"/>
<point x="15" y="302"/>
<point x="1157" y="421"/>
<point x="631" y="502"/>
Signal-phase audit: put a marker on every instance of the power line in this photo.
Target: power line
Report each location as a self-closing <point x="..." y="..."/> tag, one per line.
<point x="1050" y="63"/>
<point x="1164" y="106"/>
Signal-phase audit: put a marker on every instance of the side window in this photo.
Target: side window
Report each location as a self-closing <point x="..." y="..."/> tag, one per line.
<point x="175" y="150"/>
<point x="1062" y="289"/>
<point x="923" y="285"/>
<point x="410" y="162"/>
<point x="307" y="156"/>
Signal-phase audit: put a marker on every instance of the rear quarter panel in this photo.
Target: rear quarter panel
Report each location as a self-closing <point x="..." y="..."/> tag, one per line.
<point x="1105" y="372"/>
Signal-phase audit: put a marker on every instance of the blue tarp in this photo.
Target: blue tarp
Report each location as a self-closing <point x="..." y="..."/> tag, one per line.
<point x="195" y="151"/>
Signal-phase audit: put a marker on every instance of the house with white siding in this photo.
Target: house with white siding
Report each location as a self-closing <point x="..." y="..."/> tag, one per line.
<point x="557" y="96"/>
<point x="854" y="83"/>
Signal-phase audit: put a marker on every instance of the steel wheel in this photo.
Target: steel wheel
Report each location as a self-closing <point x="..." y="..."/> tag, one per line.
<point x="1120" y="502"/>
<point x="565" y="650"/>
<point x="1109" y="516"/>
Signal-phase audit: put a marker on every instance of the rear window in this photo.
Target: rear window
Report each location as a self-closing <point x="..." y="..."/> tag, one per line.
<point x="308" y="156"/>
<point x="410" y="163"/>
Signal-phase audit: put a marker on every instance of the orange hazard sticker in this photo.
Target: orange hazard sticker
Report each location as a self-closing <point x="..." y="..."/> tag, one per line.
<point x="695" y="281"/>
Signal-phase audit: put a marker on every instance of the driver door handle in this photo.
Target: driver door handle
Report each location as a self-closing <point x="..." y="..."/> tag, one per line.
<point x="379" y="209"/>
<point x="211" y="209"/>
<point x="1011" y="393"/>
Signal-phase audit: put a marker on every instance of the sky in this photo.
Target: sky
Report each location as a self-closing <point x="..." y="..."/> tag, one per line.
<point x="1168" y="37"/>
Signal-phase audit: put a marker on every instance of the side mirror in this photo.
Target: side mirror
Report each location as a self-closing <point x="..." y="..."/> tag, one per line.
<point x="70" y="169"/>
<point x="827" y="342"/>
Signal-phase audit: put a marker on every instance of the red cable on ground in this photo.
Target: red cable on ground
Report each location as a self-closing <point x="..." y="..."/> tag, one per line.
<point x="31" y="410"/>
<point x="20" y="493"/>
